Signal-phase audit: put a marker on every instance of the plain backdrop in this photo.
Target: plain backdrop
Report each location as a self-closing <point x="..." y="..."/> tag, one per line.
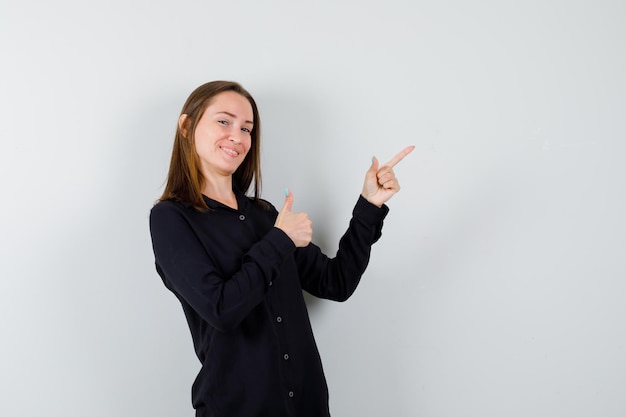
<point x="498" y="286"/>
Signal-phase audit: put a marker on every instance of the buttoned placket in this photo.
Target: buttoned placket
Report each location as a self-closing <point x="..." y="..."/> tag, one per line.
<point x="279" y="320"/>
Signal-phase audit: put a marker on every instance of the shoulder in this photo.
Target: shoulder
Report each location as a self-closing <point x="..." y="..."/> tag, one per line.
<point x="166" y="207"/>
<point x="172" y="221"/>
<point x="169" y="211"/>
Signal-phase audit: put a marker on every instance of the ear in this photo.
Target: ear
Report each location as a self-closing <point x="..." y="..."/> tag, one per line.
<point x="183" y="124"/>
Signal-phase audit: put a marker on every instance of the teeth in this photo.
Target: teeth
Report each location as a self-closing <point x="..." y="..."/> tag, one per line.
<point x="230" y="152"/>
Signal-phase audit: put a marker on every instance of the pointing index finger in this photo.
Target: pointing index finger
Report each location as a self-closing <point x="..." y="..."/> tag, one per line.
<point x="394" y="161"/>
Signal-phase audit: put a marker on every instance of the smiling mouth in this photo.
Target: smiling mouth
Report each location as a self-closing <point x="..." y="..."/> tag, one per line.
<point x="230" y="152"/>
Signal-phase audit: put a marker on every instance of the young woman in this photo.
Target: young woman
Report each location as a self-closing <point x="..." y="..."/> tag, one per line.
<point x="238" y="266"/>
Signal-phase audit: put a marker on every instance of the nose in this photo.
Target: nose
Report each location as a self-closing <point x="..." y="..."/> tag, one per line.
<point x="236" y="135"/>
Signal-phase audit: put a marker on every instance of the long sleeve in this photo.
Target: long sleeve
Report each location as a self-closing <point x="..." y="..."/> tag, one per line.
<point x="201" y="271"/>
<point x="239" y="280"/>
<point x="337" y="278"/>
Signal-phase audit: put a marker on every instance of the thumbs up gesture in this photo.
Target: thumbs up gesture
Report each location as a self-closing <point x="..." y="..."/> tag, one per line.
<point x="296" y="225"/>
<point x="381" y="182"/>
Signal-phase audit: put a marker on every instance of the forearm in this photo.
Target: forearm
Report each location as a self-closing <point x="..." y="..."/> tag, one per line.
<point x="337" y="278"/>
<point x="221" y="285"/>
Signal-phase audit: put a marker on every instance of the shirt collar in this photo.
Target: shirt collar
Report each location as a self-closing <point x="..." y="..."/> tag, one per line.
<point x="242" y="202"/>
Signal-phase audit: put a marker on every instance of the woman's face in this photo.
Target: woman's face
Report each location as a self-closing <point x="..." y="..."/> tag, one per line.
<point x="223" y="134"/>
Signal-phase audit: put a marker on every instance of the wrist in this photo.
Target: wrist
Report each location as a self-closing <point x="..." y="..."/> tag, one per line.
<point x="378" y="204"/>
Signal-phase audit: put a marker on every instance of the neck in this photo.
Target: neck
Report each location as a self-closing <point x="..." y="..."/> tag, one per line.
<point x="221" y="189"/>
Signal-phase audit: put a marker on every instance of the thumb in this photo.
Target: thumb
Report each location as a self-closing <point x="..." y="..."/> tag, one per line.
<point x="288" y="201"/>
<point x="373" y="169"/>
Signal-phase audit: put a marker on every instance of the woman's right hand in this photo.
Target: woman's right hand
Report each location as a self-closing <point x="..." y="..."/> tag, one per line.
<point x="296" y="225"/>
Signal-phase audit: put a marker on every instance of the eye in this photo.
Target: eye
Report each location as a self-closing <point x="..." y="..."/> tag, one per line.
<point x="223" y="122"/>
<point x="246" y="129"/>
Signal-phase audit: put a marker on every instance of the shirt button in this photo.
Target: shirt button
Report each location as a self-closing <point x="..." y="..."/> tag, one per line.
<point x="271" y="283"/>
<point x="242" y="217"/>
<point x="290" y="394"/>
<point x="286" y="356"/>
<point x="279" y="319"/>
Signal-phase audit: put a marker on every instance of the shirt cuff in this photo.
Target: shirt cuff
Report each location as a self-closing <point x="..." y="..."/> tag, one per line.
<point x="368" y="212"/>
<point x="283" y="243"/>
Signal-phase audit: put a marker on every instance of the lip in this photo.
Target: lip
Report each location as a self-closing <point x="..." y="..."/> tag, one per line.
<point x="229" y="151"/>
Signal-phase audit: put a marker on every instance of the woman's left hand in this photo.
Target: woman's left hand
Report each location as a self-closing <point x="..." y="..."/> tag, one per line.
<point x="381" y="183"/>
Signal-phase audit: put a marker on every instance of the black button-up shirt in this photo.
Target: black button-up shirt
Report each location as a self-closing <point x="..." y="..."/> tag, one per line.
<point x="239" y="280"/>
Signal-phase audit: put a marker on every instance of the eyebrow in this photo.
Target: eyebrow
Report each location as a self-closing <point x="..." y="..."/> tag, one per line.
<point x="233" y="116"/>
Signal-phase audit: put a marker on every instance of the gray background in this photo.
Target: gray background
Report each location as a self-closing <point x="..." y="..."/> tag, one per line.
<point x="498" y="286"/>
